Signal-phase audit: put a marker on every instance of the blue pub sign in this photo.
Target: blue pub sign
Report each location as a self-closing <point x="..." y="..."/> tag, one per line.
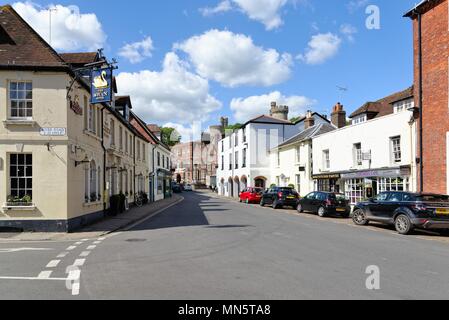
<point x="101" y="85"/>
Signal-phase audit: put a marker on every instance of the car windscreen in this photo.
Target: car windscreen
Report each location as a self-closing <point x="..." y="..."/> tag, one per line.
<point x="287" y="190"/>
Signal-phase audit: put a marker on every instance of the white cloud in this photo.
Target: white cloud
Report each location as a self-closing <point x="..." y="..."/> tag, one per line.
<point x="321" y="48"/>
<point x="349" y="31"/>
<point x="223" y="6"/>
<point x="355" y="5"/>
<point x="188" y="133"/>
<point x="138" y="51"/>
<point x="248" y="108"/>
<point x="234" y="60"/>
<point x="264" y="11"/>
<point x="171" y="95"/>
<point x="268" y="12"/>
<point x="71" y="30"/>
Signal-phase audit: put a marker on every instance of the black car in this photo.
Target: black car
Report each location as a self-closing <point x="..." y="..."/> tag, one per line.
<point x="279" y="197"/>
<point x="406" y="211"/>
<point x="177" y="188"/>
<point x="325" y="203"/>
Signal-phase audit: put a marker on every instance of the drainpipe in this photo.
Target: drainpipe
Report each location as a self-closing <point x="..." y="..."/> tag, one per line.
<point x="420" y="66"/>
<point x="134" y="166"/>
<point x="104" y="161"/>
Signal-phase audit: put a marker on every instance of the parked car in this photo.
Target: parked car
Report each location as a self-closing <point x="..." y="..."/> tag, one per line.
<point x="251" y="195"/>
<point x="324" y="204"/>
<point x="406" y="211"/>
<point x="279" y="197"/>
<point x="177" y="188"/>
<point x="188" y="187"/>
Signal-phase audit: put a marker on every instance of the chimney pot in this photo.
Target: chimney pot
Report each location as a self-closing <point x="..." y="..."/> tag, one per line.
<point x="339" y="116"/>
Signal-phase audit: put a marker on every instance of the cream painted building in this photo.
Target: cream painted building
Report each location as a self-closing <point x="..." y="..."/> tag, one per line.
<point x="291" y="161"/>
<point x="61" y="158"/>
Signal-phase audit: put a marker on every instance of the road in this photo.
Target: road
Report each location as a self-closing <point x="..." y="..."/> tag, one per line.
<point x="210" y="248"/>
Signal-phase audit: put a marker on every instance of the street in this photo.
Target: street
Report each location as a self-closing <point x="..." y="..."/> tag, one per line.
<point x="210" y="248"/>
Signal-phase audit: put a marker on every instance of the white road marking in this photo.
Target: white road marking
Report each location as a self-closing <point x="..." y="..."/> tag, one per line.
<point x="53" y="263"/>
<point x="85" y="254"/>
<point x="71" y="248"/>
<point x="33" y="279"/>
<point x="78" y="243"/>
<point x="79" y="262"/>
<point x="45" y="275"/>
<point x="76" y="289"/>
<point x="14" y="250"/>
<point x="97" y="242"/>
<point x="62" y="255"/>
<point x="101" y="239"/>
<point x="91" y="247"/>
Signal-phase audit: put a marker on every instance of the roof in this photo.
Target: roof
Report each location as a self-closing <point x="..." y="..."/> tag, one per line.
<point x="79" y="58"/>
<point x="384" y="106"/>
<point x="121" y="101"/>
<point x="154" y="128"/>
<point x="269" y="119"/>
<point x="421" y="8"/>
<point x="309" y="133"/>
<point x="315" y="114"/>
<point x="22" y="47"/>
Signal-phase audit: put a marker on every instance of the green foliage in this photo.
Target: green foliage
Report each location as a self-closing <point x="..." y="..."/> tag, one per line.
<point x="170" y="136"/>
<point x="234" y="126"/>
<point x="295" y="119"/>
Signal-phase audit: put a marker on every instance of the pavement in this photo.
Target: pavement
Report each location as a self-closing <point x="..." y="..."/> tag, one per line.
<point x="101" y="228"/>
<point x="210" y="248"/>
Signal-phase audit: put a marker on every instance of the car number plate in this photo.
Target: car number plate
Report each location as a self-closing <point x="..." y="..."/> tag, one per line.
<point x="291" y="197"/>
<point x="341" y="210"/>
<point x="443" y="211"/>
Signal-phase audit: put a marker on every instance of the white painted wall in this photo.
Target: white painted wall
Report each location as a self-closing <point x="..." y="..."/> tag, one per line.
<point x="374" y="135"/>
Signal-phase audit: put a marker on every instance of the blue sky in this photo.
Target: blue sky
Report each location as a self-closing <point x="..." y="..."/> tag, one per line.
<point x="369" y="63"/>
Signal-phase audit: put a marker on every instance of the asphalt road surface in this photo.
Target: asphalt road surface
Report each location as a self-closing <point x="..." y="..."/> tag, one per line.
<point x="210" y="248"/>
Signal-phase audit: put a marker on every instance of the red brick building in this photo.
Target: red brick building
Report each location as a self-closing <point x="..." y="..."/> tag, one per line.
<point x="431" y="30"/>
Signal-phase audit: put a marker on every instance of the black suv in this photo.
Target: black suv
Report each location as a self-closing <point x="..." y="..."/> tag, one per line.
<point x="406" y="211"/>
<point x="280" y="197"/>
<point x="325" y="203"/>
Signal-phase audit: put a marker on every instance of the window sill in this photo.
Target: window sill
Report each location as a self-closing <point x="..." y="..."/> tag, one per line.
<point x="92" y="135"/>
<point x="18" y="122"/>
<point x="7" y="207"/>
<point x="92" y="204"/>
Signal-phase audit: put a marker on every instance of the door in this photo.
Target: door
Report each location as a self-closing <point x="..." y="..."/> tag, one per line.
<point x="393" y="203"/>
<point x="317" y="202"/>
<point x="307" y="201"/>
<point x="378" y="206"/>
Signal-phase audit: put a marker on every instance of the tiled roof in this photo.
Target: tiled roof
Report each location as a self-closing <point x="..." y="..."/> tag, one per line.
<point x="309" y="133"/>
<point x="79" y="58"/>
<point x="384" y="106"/>
<point x="21" y="46"/>
<point x="266" y="118"/>
<point x="154" y="128"/>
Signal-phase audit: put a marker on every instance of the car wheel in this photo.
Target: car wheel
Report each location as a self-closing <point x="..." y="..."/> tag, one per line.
<point x="262" y="203"/>
<point x="321" y="212"/>
<point x="403" y="225"/>
<point x="359" y="218"/>
<point x="275" y="205"/>
<point x="299" y="208"/>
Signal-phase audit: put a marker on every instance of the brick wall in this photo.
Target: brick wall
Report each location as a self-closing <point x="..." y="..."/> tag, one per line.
<point x="435" y="42"/>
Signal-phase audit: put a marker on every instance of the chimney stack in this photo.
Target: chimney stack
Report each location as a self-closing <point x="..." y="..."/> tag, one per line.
<point x="224" y="122"/>
<point x="310" y="121"/>
<point x="339" y="116"/>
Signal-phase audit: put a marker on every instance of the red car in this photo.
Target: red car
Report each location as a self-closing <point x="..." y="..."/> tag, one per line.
<point x="251" y="195"/>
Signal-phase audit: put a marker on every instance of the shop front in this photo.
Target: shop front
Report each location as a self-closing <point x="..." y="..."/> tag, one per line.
<point x="363" y="185"/>
<point x="164" y="180"/>
<point x="328" y="183"/>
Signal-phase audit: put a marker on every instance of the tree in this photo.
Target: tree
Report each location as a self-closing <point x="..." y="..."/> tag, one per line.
<point x="170" y="136"/>
<point x="234" y="126"/>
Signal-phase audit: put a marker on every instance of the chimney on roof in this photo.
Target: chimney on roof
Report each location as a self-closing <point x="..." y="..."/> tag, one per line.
<point x="279" y="112"/>
<point x="310" y="120"/>
<point x="338" y="116"/>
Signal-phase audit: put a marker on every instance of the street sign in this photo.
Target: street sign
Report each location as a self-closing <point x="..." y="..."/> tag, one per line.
<point x="101" y="85"/>
<point x="53" y="132"/>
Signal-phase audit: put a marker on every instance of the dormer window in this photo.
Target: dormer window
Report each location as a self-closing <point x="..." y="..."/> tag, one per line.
<point x="360" y="119"/>
<point x="404" y="105"/>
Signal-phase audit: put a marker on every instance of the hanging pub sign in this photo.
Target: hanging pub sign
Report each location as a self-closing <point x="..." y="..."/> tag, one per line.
<point x="101" y="85"/>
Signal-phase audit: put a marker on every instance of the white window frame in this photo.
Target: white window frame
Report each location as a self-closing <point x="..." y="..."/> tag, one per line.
<point x="25" y="99"/>
<point x="358" y="154"/>
<point x="326" y="160"/>
<point x="396" y="149"/>
<point x="18" y="177"/>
